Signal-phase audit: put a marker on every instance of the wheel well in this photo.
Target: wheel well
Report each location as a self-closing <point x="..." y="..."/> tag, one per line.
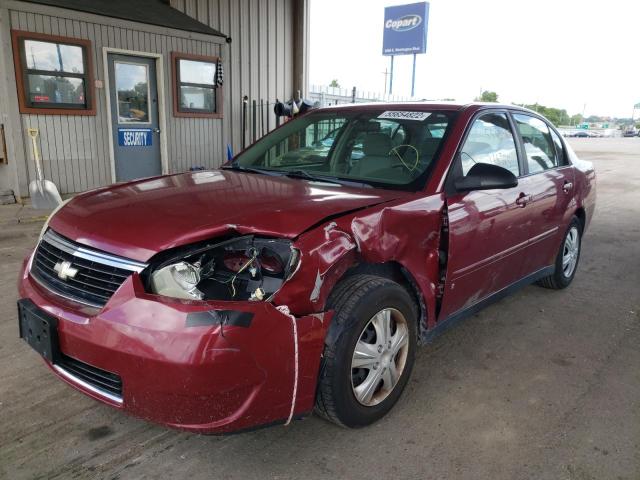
<point x="580" y="213"/>
<point x="396" y="272"/>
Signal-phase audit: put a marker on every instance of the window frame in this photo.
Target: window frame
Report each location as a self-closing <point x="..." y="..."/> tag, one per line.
<point x="175" y="75"/>
<point x="25" y="105"/>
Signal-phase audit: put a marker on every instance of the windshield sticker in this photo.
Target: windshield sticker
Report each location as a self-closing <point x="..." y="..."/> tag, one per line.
<point x="400" y="115"/>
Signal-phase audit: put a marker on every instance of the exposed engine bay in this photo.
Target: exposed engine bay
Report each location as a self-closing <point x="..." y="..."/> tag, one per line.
<point x="240" y="268"/>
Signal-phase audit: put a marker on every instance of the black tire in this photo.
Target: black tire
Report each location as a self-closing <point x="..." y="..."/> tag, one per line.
<point x="356" y="300"/>
<point x="559" y="279"/>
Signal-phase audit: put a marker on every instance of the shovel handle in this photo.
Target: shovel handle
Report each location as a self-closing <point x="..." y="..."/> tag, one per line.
<point x="33" y="133"/>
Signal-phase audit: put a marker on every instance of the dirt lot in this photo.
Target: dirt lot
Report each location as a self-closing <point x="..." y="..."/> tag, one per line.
<point x="542" y="385"/>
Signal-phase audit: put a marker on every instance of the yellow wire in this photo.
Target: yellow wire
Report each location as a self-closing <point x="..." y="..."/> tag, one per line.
<point x="415" y="165"/>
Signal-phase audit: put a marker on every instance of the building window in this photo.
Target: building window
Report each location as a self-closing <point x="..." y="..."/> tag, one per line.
<point x="53" y="74"/>
<point x="196" y="92"/>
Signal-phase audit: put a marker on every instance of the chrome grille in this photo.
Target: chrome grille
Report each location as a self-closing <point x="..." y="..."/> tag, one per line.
<point x="76" y="272"/>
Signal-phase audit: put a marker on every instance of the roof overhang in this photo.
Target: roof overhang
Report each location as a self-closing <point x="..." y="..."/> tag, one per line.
<point x="150" y="12"/>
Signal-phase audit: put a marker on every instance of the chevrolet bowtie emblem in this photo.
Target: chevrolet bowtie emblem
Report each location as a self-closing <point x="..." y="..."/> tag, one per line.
<point x="65" y="270"/>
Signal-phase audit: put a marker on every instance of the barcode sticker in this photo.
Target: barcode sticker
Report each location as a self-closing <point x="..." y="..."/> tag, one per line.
<point x="400" y="115"/>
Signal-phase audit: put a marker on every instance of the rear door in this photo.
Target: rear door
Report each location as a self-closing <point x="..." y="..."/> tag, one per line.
<point x="488" y="229"/>
<point x="548" y="181"/>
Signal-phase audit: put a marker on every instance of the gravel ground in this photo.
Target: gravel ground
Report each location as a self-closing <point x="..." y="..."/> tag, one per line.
<point x="542" y="385"/>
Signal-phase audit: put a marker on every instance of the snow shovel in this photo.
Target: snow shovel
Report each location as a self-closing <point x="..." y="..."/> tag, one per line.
<point x="44" y="193"/>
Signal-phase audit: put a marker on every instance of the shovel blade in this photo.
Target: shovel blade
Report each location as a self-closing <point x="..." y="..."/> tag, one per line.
<point x="44" y="195"/>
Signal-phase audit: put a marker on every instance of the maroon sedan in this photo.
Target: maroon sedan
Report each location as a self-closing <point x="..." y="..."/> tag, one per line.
<point x="303" y="274"/>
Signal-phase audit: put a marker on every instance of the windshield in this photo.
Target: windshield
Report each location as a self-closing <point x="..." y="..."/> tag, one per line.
<point x="385" y="148"/>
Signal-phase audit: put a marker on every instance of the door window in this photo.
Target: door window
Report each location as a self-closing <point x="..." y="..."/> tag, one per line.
<point x="132" y="87"/>
<point x="491" y="141"/>
<point x="538" y="146"/>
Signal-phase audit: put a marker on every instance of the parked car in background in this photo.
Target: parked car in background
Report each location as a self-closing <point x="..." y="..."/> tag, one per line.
<point x="217" y="301"/>
<point x="631" y="132"/>
<point x="581" y="134"/>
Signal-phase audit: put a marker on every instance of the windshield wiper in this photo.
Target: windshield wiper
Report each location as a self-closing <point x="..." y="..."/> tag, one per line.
<point x="300" y="174"/>
<point x="240" y="168"/>
<point x="323" y="178"/>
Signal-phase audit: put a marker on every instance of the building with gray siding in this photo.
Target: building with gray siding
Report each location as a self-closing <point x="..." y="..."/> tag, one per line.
<point x="120" y="90"/>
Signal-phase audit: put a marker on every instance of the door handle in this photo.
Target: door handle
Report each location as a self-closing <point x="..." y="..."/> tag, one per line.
<point x="522" y="200"/>
<point x="156" y="130"/>
<point x="567" y="187"/>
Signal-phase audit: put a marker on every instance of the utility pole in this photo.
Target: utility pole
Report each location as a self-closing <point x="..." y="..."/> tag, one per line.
<point x="386" y="74"/>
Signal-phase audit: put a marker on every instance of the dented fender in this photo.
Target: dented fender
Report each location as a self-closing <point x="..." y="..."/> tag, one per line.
<point x="326" y="253"/>
<point x="405" y="231"/>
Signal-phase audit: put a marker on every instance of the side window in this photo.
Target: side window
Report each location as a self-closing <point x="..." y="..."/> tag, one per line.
<point x="560" y="153"/>
<point x="538" y="145"/>
<point x="490" y="141"/>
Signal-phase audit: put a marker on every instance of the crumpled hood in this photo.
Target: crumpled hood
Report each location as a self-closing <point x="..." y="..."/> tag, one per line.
<point x="139" y="219"/>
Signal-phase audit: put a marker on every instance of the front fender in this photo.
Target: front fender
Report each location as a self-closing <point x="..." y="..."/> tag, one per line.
<point x="326" y="253"/>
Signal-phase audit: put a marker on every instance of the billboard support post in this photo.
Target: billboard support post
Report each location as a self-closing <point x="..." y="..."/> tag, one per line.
<point x="413" y="76"/>
<point x="391" y="78"/>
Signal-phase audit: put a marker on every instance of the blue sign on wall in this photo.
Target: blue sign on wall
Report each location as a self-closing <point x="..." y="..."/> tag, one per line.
<point x="405" y="29"/>
<point x="135" y="137"/>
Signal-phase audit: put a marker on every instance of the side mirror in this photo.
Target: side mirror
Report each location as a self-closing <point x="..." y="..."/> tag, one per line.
<point x="484" y="176"/>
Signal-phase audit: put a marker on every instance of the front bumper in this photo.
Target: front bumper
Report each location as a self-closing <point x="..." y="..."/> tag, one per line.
<point x="182" y="370"/>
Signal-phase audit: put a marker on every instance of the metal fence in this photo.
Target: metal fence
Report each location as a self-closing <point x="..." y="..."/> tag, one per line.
<point x="336" y="96"/>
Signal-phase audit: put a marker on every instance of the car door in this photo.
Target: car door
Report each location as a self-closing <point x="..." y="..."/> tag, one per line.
<point x="487" y="228"/>
<point x="548" y="181"/>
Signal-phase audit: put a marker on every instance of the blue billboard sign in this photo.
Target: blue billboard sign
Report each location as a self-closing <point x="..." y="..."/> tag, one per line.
<point x="405" y="29"/>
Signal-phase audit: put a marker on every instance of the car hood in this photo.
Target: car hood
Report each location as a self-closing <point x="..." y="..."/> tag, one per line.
<point x="139" y="219"/>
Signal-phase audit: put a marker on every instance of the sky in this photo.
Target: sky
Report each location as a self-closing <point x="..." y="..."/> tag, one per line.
<point x="580" y="55"/>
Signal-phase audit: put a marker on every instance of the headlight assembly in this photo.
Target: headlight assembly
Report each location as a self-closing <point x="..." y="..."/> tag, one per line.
<point x="242" y="268"/>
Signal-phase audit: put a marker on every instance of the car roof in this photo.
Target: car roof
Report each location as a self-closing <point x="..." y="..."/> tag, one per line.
<point x="424" y="105"/>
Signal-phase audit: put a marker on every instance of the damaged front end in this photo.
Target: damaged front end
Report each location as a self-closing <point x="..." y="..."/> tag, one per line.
<point x="233" y="269"/>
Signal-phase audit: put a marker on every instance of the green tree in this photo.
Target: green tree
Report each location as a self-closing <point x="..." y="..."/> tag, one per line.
<point x="556" y="116"/>
<point x="575" y="119"/>
<point x="487" y="96"/>
<point x="334" y="83"/>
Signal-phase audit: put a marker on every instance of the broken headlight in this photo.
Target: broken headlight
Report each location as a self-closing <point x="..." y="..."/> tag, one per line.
<point x="242" y="268"/>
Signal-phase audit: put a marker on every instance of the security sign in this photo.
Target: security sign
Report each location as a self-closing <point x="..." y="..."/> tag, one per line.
<point x="405" y="29"/>
<point x="135" y="137"/>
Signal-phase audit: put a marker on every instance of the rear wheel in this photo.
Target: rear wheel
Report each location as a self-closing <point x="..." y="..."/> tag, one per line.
<point x="567" y="259"/>
<point x="370" y="350"/>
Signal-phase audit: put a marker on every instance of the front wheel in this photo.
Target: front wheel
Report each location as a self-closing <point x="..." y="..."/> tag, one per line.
<point x="370" y="352"/>
<point x="567" y="259"/>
